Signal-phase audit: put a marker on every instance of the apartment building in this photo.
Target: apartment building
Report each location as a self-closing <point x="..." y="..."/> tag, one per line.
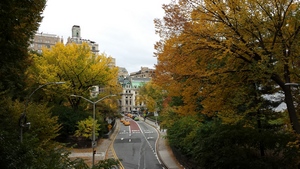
<point x="145" y="72"/>
<point x="41" y="40"/>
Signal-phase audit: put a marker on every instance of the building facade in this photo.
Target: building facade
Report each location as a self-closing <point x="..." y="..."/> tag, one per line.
<point x="130" y="101"/>
<point x="42" y="40"/>
<point x="145" y="72"/>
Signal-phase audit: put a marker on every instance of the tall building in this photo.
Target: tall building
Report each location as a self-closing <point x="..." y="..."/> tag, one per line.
<point x="41" y="40"/>
<point x="76" y="38"/>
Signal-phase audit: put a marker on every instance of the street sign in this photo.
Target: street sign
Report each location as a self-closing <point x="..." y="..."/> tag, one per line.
<point x="108" y="120"/>
<point x="155" y="114"/>
<point x="94" y="144"/>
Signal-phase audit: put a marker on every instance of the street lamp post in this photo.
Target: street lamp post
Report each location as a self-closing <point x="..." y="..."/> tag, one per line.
<point x="94" y="108"/>
<point x="23" y="119"/>
<point x="291" y="84"/>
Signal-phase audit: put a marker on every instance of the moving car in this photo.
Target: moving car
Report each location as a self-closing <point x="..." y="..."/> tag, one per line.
<point x="126" y="123"/>
<point x="129" y="115"/>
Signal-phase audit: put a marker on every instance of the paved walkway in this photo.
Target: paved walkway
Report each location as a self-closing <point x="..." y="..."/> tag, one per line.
<point x="104" y="149"/>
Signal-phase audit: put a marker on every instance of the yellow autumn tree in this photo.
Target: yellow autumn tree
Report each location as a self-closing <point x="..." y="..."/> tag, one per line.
<point x="213" y="52"/>
<point x="75" y="65"/>
<point x="152" y="95"/>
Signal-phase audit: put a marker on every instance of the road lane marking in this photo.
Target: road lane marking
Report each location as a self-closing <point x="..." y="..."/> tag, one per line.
<point x="148" y="131"/>
<point x="158" y="137"/>
<point x="135" y="131"/>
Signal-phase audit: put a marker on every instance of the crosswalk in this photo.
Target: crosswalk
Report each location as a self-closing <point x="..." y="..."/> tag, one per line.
<point x="135" y="131"/>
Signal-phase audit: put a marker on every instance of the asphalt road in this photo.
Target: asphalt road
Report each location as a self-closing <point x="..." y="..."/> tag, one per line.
<point x="135" y="145"/>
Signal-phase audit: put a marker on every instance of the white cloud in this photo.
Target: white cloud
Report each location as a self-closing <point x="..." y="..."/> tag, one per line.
<point x="123" y="29"/>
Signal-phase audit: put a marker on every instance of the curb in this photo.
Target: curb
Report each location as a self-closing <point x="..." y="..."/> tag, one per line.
<point x="164" y="165"/>
<point x="110" y="147"/>
<point x="156" y="147"/>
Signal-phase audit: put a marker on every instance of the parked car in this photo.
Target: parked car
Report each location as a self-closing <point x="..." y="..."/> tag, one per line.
<point x="136" y="118"/>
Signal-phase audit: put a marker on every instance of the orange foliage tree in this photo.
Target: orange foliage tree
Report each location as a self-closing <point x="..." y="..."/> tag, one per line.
<point x="213" y="54"/>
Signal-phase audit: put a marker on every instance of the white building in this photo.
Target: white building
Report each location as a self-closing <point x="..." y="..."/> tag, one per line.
<point x="129" y="101"/>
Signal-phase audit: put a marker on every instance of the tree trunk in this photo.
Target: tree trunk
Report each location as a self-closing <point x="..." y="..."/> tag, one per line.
<point x="289" y="101"/>
<point x="291" y="109"/>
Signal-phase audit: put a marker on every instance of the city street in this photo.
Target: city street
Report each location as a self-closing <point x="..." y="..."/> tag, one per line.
<point x="135" y="145"/>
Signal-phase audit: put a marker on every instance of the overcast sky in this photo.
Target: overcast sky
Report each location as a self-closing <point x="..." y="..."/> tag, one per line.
<point x="124" y="29"/>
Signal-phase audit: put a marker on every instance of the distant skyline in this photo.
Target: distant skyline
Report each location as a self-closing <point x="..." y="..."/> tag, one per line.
<point x="124" y="30"/>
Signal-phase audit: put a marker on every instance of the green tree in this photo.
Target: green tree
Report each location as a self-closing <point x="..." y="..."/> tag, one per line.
<point x="68" y="118"/>
<point x="38" y="149"/>
<point x="106" y="164"/>
<point x="236" y="146"/>
<point x="216" y="145"/>
<point x="20" y="20"/>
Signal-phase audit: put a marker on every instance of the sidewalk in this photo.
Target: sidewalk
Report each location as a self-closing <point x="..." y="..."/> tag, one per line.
<point x="104" y="149"/>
